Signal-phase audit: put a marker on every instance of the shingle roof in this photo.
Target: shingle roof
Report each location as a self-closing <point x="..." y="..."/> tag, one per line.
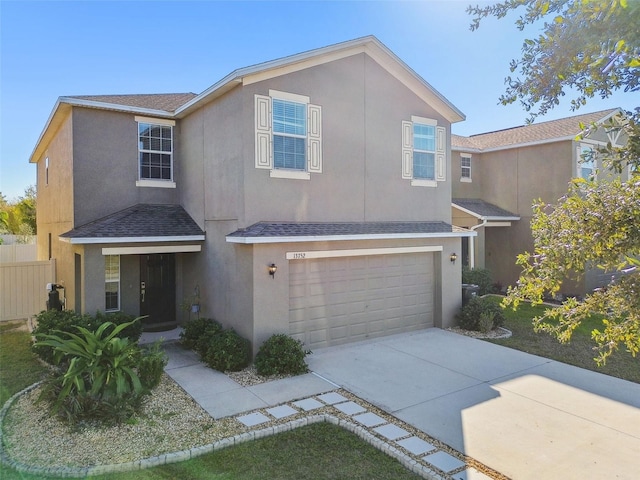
<point x="483" y="209"/>
<point x="307" y="231"/>
<point x="168" y="102"/>
<point x="525" y="134"/>
<point x="140" y="221"/>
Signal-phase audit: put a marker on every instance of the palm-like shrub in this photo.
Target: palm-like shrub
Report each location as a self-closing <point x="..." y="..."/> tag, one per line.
<point x="97" y="377"/>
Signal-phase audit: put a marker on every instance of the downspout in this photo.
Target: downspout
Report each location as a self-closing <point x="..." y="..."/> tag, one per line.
<point x="472" y="247"/>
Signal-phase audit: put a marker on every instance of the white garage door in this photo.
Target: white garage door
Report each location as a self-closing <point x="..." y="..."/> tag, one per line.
<point x="339" y="300"/>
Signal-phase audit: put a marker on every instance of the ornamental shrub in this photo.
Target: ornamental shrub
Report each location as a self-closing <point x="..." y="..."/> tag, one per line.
<point x="480" y="277"/>
<point x="225" y="351"/>
<point x="281" y="355"/>
<point x="151" y="365"/>
<point x="96" y="378"/>
<point x="133" y="332"/>
<point x="476" y="314"/>
<point x="67" y="321"/>
<point x="198" y="331"/>
<point x="49" y="321"/>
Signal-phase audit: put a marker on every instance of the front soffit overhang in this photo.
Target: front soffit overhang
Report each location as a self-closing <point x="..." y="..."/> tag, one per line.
<point x="296" y="232"/>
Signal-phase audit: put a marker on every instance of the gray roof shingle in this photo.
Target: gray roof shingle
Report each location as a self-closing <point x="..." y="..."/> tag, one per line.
<point x="168" y="102"/>
<point x="483" y="209"/>
<point x="142" y="220"/>
<point x="535" y="132"/>
<point x="331" y="229"/>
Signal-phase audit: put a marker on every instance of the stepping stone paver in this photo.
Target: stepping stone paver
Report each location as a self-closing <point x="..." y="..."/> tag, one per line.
<point x="350" y="408"/>
<point x="253" y="419"/>
<point x="282" y="411"/>
<point x="390" y="431"/>
<point x="470" y="474"/>
<point x="443" y="461"/>
<point x="416" y="445"/>
<point x="308" y="404"/>
<point x="369" y="419"/>
<point x="332" y="398"/>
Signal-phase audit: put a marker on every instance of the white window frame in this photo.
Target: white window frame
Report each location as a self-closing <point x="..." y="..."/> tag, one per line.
<point x="110" y="279"/>
<point x="463" y="168"/>
<point x="155" y="182"/>
<point x="440" y="156"/>
<point x="580" y="163"/>
<point x="264" y="154"/>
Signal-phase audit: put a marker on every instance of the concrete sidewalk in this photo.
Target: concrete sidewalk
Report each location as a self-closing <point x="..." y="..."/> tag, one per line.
<point x="525" y="416"/>
<point x="222" y="397"/>
<point x="522" y="415"/>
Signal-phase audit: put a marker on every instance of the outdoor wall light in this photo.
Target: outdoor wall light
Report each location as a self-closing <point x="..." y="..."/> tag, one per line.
<point x="272" y="270"/>
<point x="453" y="257"/>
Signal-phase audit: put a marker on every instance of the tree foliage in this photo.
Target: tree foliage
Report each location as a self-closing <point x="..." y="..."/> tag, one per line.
<point x="18" y="217"/>
<point x="591" y="47"/>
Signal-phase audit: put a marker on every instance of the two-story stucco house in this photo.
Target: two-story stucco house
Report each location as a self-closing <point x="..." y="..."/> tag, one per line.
<point x="308" y="195"/>
<point x="497" y="176"/>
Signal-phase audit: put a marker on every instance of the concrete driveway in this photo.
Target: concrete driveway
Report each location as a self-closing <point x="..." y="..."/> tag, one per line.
<point x="525" y="416"/>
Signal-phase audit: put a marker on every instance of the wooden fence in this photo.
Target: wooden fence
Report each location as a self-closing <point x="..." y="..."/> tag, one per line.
<point x="23" y="292"/>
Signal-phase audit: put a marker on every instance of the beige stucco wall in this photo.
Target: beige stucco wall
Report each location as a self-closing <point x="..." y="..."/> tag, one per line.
<point x="513" y="179"/>
<point x="55" y="205"/>
<point x="362" y="110"/>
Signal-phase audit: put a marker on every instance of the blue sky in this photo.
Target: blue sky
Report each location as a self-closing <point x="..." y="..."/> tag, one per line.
<point x="51" y="49"/>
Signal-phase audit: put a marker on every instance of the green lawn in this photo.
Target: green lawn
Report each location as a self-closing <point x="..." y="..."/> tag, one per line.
<point x="578" y="352"/>
<point x="319" y="451"/>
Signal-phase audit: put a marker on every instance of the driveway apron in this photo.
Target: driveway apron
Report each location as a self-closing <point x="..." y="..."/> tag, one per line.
<point x="523" y="415"/>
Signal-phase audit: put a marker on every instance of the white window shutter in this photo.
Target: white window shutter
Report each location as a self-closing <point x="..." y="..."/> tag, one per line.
<point x="441" y="154"/>
<point x="314" y="138"/>
<point x="407" y="150"/>
<point x="264" y="157"/>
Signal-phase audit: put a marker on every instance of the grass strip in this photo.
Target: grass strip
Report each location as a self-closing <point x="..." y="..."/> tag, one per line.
<point x="579" y="351"/>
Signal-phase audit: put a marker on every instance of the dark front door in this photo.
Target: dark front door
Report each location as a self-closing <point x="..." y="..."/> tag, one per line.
<point x="158" y="291"/>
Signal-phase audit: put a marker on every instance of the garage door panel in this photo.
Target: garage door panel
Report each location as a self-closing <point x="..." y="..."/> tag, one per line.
<point x="343" y="299"/>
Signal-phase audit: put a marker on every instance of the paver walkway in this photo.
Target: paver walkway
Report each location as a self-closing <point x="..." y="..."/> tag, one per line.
<point x="259" y="406"/>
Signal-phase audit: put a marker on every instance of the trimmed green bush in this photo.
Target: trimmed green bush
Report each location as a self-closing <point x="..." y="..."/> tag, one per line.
<point x="151" y="365"/>
<point x="226" y="351"/>
<point x="96" y="379"/>
<point x="196" y="333"/>
<point x="480" y="277"/>
<point x="49" y="321"/>
<point x="281" y="355"/>
<point x="480" y="314"/>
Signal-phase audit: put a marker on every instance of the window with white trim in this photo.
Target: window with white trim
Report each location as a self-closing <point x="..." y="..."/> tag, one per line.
<point x="423" y="152"/>
<point x="155" y="150"/>
<point x="465" y="167"/>
<point x="586" y="161"/>
<point x="288" y="135"/>
<point x="111" y="283"/>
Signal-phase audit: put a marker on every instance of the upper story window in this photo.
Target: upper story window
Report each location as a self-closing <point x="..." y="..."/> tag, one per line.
<point x="155" y="152"/>
<point x="288" y="135"/>
<point x="46" y="171"/>
<point x="586" y="161"/>
<point x="423" y="152"/>
<point x="465" y="167"/>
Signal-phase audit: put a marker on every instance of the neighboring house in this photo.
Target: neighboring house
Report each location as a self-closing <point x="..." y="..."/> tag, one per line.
<point x="498" y="175"/>
<point x="309" y="195"/>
